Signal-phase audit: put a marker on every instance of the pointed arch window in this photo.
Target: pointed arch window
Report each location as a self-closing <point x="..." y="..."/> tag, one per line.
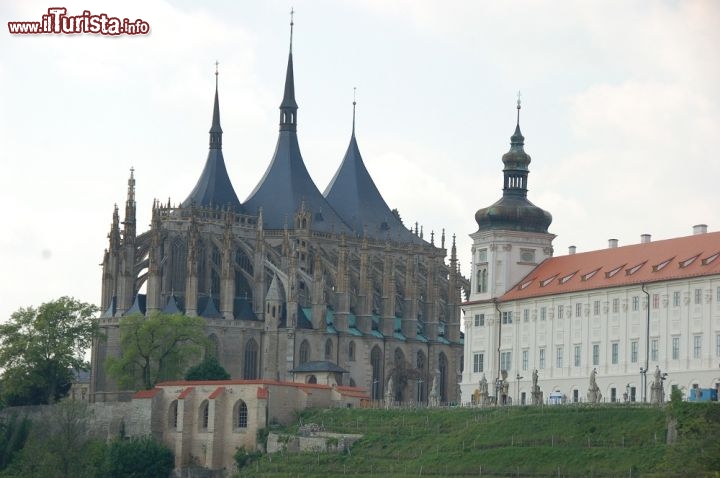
<point x="240" y="414"/>
<point x="173" y="415"/>
<point x="304" y="355"/>
<point x="204" y="415"/>
<point x="351" y="351"/>
<point x="328" y="349"/>
<point x="442" y="368"/>
<point x="251" y="360"/>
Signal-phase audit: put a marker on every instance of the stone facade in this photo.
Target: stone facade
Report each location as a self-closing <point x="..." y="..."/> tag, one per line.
<point x="290" y="276"/>
<point x="204" y="423"/>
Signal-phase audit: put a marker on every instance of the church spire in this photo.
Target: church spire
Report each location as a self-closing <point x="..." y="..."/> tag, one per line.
<point x="130" y="207"/>
<point x="288" y="107"/>
<point x="354" y="103"/>
<point x="215" y="130"/>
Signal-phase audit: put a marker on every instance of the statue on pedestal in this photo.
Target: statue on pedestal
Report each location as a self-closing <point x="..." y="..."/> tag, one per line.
<point x="594" y="395"/>
<point x="537" y="395"/>
<point x="389" y="393"/>
<point x="657" y="390"/>
<point x="483" y="392"/>
<point x="434" y="400"/>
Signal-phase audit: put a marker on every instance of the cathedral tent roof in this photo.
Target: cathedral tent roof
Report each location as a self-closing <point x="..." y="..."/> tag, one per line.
<point x="214" y="187"/>
<point x="353" y="194"/>
<point x="172" y="306"/>
<point x="138" y="306"/>
<point x="208" y="308"/>
<point x="286" y="186"/>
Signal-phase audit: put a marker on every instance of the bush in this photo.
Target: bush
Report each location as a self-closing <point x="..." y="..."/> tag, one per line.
<point x="139" y="458"/>
<point x="208" y="369"/>
<point x="244" y="458"/>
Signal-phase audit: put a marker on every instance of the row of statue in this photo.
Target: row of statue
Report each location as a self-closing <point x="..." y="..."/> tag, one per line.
<point x="482" y="397"/>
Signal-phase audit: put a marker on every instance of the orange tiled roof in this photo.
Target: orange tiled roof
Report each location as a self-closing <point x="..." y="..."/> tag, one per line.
<point x="218" y="391"/>
<point x="147" y="393"/>
<point x="679" y="258"/>
<point x="184" y="393"/>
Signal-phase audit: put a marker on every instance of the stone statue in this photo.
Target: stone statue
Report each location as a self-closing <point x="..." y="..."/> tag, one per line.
<point x="534" y="380"/>
<point x="594" y="395"/>
<point x="389" y="393"/>
<point x="657" y="391"/>
<point x="483" y="385"/>
<point x="435" y="392"/>
<point x="537" y="395"/>
<point x="504" y="388"/>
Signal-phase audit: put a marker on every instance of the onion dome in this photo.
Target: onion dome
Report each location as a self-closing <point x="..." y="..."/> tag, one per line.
<point x="514" y="211"/>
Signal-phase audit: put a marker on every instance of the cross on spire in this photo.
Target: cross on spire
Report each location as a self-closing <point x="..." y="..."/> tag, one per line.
<point x="519" y="102"/>
<point x="292" y="23"/>
<point x="354" y="103"/>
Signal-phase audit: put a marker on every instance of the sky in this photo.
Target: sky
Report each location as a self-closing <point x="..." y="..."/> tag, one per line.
<point x="621" y="113"/>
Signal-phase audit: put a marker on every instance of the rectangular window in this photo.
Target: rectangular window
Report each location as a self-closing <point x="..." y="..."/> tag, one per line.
<point x="698" y="296"/>
<point x="541" y="359"/>
<point x="717" y="345"/>
<point x="526" y="315"/>
<point x="635" y="303"/>
<point x="543" y="313"/>
<point x="478" y="362"/>
<point x="596" y="307"/>
<point x="654" y="350"/>
<point x="578" y="310"/>
<point x="525" y="359"/>
<point x="561" y="309"/>
<point x="616" y="306"/>
<point x="676" y="299"/>
<point x="676" y="348"/>
<point x="613" y="395"/>
<point x="634" y="351"/>
<point x="697" y="346"/>
<point x="576" y="355"/>
<point x="615" y="350"/>
<point x="479" y="320"/>
<point x="559" y="357"/>
<point x="482" y="255"/>
<point x="656" y="301"/>
<point x="507" y="317"/>
<point x="717" y="298"/>
<point x="596" y="355"/>
<point x="505" y="360"/>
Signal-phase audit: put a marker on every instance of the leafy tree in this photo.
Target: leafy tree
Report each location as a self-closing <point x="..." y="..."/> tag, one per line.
<point x="40" y="347"/>
<point x="139" y="458"/>
<point x="13" y="434"/>
<point x="156" y="348"/>
<point x="208" y="369"/>
<point x="59" y="445"/>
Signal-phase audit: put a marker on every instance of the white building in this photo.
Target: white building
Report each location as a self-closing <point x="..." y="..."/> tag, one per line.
<point x="616" y="310"/>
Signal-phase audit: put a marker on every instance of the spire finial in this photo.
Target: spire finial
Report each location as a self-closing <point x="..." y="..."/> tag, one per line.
<point x="354" y="103"/>
<point x="215" y="129"/>
<point x="519" y="103"/>
<point x="292" y="23"/>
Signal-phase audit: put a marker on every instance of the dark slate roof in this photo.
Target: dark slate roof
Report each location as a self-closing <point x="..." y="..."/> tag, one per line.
<point x="172" y="306"/>
<point x="318" y="366"/>
<point x="243" y="309"/>
<point x="353" y="194"/>
<point x="207" y="308"/>
<point x="303" y="322"/>
<point x="214" y="187"/>
<point x="286" y="185"/>
<point x="138" y="306"/>
<point x="112" y="308"/>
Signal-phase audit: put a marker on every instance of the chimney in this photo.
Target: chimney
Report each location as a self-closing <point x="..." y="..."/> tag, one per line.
<point x="571" y="250"/>
<point x="699" y="229"/>
<point x="644" y="238"/>
<point x="612" y="243"/>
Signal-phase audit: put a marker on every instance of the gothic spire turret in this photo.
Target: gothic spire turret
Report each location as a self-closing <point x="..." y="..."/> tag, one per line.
<point x="354" y="195"/>
<point x="215" y="130"/>
<point x="214" y="188"/>
<point x="129" y="226"/>
<point x="289" y="107"/>
<point x="286" y="184"/>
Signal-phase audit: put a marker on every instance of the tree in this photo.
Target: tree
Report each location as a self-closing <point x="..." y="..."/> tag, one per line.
<point x="139" y="458"/>
<point x="156" y="348"/>
<point x="39" y="348"/>
<point x="208" y="369"/>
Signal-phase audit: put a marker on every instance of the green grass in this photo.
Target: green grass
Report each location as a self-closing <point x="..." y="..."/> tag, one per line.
<point x="514" y="441"/>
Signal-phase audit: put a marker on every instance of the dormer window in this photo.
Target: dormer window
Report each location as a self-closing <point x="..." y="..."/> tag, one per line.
<point x="634" y="269"/>
<point x="710" y="259"/>
<point x="688" y="261"/>
<point x="661" y="266"/>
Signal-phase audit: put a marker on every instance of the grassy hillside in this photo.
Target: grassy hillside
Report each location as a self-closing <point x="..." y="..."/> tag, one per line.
<point x="512" y="441"/>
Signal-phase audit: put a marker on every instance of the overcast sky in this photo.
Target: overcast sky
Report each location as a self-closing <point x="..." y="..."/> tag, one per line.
<point x="621" y="112"/>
